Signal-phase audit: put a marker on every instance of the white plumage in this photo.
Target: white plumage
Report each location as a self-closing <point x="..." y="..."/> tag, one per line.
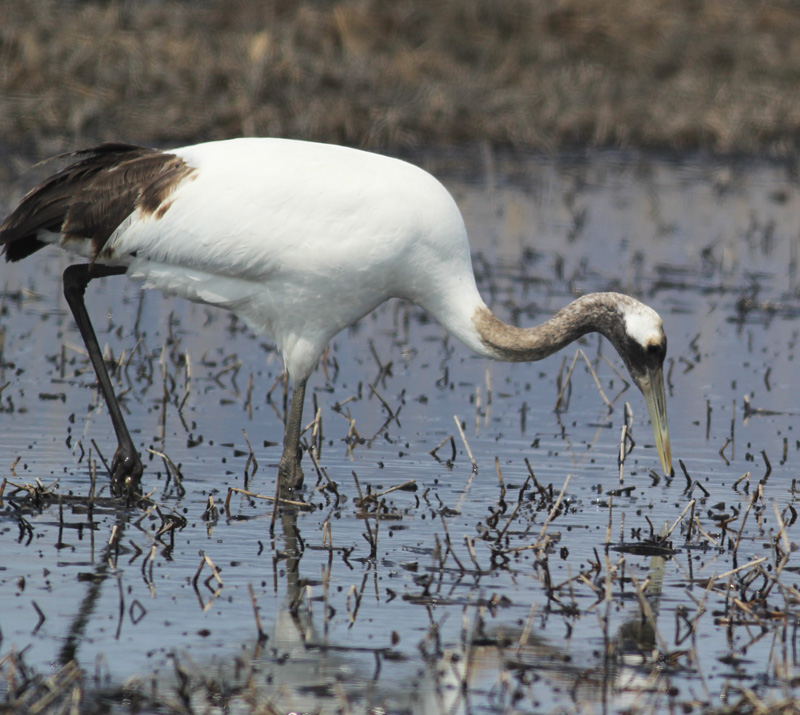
<point x="299" y="240"/>
<point x="312" y="238"/>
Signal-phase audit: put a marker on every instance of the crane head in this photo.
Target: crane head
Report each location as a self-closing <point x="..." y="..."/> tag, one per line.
<point x="643" y="350"/>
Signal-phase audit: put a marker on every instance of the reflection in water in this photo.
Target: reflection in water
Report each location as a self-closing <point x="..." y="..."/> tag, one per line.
<point x="76" y="631"/>
<point x="297" y="670"/>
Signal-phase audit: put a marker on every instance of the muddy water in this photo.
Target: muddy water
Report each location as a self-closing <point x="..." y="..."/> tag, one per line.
<point x="711" y="246"/>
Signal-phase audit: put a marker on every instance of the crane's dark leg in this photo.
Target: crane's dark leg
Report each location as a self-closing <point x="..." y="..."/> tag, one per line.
<point x="126" y="467"/>
<point x="290" y="473"/>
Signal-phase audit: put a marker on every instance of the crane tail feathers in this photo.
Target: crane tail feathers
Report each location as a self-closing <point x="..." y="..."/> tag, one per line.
<point x="91" y="196"/>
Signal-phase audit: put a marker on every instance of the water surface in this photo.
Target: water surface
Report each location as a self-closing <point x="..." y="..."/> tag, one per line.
<point x="711" y="246"/>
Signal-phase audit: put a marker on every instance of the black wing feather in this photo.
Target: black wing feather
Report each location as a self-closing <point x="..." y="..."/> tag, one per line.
<point x="90" y="197"/>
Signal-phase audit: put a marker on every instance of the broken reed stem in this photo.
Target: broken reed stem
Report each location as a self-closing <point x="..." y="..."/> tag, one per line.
<point x="583" y="579"/>
<point x="353" y="592"/>
<point x="278" y="380"/>
<point x="381" y="366"/>
<point x="744" y="478"/>
<point x="99" y="454"/>
<point x="198" y="572"/>
<point x="441" y="444"/>
<point x="372" y="539"/>
<point x="610" y="572"/>
<point x="500" y="479"/>
<point x="508" y="523"/>
<point x="539" y="488"/>
<point x="261" y="635"/>
<point x="40" y="613"/>
<point x="580" y="353"/>
<point x="750" y="503"/>
<point x="149" y="560"/>
<point x="625" y="438"/>
<point x="248" y="400"/>
<point x="213" y="568"/>
<point x="686" y="474"/>
<point x="566" y="381"/>
<point x="621" y="458"/>
<point x="92" y="486"/>
<point x="381" y="507"/>
<point x="253" y="495"/>
<point x="172" y="469"/>
<point x="439" y="557"/>
<point x="722" y="451"/>
<point x="187" y="379"/>
<point x="708" y="536"/>
<point x="383" y="402"/>
<point x="162" y="421"/>
<point x="526" y="630"/>
<point x="553" y="511"/>
<point x="466" y="444"/>
<point x="677" y="521"/>
<point x="784" y="538"/>
<point x="750" y="564"/>
<point x="449" y="543"/>
<point x="374" y="497"/>
<point x="767" y="464"/>
<point x="321" y="471"/>
<point x="472" y="555"/>
<point x="211" y="512"/>
<point x="251" y="457"/>
<point x="316" y="430"/>
<point x="326" y="581"/>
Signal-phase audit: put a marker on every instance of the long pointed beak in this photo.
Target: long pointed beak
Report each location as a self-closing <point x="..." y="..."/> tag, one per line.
<point x="653" y="390"/>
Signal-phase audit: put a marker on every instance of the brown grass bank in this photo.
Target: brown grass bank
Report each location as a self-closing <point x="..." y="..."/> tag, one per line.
<point x="716" y="75"/>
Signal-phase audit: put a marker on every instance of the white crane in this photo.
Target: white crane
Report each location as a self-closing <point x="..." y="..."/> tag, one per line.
<point x="299" y="240"/>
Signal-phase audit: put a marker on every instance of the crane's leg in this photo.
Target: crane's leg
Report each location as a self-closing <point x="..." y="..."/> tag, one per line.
<point x="126" y="467"/>
<point x="290" y="473"/>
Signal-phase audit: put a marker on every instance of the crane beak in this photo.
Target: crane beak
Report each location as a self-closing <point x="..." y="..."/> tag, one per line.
<point x="652" y="387"/>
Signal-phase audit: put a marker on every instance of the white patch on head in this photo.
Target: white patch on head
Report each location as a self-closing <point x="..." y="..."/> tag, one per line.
<point x="643" y="324"/>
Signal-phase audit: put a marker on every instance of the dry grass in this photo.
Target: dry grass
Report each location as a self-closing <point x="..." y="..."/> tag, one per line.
<point x="719" y="75"/>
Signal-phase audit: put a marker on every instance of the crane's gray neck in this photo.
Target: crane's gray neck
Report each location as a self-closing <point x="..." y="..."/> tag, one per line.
<point x="595" y="312"/>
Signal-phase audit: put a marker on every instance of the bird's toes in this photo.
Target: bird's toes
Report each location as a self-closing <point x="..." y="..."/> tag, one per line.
<point x="126" y="472"/>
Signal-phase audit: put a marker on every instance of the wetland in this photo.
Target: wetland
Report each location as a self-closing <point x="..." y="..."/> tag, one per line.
<point x="563" y="572"/>
<point x="474" y="536"/>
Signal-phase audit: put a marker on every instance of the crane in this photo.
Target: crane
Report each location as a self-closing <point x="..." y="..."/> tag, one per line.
<point x="299" y="240"/>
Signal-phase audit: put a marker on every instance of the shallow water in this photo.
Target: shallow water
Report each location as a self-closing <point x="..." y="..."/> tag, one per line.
<point x="711" y="246"/>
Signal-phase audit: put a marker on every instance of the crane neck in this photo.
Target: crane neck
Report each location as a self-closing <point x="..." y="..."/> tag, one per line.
<point x="594" y="312"/>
